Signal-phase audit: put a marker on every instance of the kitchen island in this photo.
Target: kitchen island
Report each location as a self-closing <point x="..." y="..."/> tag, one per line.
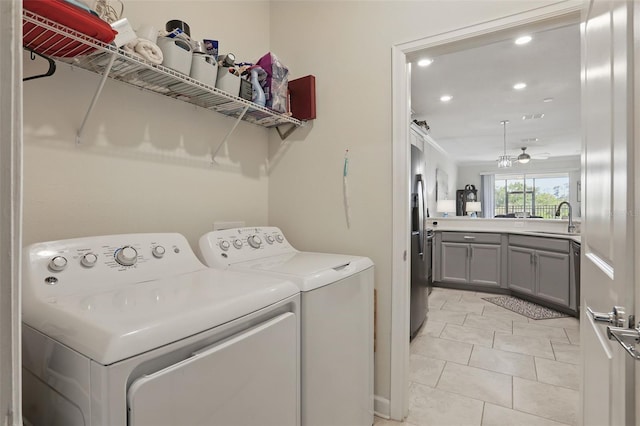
<point x="536" y="260"/>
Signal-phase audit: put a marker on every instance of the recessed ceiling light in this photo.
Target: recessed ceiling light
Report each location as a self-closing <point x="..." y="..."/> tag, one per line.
<point x="425" y="62"/>
<point x="523" y="40"/>
<point x="547" y="100"/>
<point x="533" y="116"/>
<point x="446" y="98"/>
<point x="519" y="86"/>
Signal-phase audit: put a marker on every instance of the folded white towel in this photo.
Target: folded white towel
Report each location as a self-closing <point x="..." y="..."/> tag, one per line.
<point x="149" y="51"/>
<point x="144" y="49"/>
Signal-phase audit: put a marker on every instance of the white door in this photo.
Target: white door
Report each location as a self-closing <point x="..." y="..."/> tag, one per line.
<point x="610" y="227"/>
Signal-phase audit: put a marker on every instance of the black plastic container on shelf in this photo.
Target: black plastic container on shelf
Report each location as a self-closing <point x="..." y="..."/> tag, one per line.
<point x="176" y="23"/>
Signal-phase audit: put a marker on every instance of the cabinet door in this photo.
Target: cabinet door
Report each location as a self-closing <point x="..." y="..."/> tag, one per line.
<point x="553" y="276"/>
<point x="455" y="267"/>
<point x="521" y="270"/>
<point x="484" y="264"/>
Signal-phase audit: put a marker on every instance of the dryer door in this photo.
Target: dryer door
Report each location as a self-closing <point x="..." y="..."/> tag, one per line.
<point x="248" y="379"/>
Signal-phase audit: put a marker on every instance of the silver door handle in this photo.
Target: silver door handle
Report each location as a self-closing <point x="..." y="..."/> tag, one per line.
<point x="469" y="237"/>
<point x="624" y="335"/>
<point x="616" y="317"/>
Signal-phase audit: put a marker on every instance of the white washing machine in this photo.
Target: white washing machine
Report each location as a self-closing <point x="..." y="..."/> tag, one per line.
<point x="134" y="330"/>
<point x="336" y="318"/>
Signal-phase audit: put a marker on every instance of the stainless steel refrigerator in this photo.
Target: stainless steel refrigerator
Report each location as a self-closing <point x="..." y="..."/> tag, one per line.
<point x="420" y="244"/>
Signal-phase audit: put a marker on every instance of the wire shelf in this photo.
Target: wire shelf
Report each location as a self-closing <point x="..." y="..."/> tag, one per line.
<point x="79" y="50"/>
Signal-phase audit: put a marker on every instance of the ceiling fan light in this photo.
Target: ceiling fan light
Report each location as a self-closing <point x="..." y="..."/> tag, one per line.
<point x="524" y="157"/>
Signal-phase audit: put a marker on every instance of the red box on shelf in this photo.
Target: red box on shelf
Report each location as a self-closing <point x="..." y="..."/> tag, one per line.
<point x="50" y="43"/>
<point x="302" y="97"/>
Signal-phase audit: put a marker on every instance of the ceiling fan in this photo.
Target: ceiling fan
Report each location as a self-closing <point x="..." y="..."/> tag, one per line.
<point x="525" y="157"/>
<point x="506" y="161"/>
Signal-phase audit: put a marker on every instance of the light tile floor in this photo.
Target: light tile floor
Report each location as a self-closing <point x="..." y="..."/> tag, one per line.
<point x="477" y="364"/>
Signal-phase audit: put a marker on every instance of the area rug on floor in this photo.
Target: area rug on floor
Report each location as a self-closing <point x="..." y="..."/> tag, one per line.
<point x="522" y="307"/>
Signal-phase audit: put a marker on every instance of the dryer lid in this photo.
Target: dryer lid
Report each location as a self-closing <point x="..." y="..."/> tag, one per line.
<point x="308" y="270"/>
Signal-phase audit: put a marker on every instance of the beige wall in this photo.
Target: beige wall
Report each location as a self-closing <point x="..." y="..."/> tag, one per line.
<point x="144" y="163"/>
<point x="346" y="45"/>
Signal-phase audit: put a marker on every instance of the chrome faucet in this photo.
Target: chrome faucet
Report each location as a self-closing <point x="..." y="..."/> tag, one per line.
<point x="572" y="227"/>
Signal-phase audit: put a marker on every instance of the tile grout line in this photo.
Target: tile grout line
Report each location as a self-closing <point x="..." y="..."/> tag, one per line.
<point x="513" y="393"/>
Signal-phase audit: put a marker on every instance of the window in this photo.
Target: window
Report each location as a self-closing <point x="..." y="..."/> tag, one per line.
<point x="532" y="195"/>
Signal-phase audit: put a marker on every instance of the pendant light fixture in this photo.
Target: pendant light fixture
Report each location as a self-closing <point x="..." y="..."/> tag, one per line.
<point x="504" y="160"/>
<point x="524" y="157"/>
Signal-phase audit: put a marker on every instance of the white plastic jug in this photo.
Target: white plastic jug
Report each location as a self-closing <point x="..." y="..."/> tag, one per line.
<point x="204" y="68"/>
<point x="177" y="54"/>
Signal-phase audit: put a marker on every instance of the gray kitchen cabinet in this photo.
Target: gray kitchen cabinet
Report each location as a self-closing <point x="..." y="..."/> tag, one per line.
<point x="540" y="267"/>
<point x="521" y="270"/>
<point x="552" y="270"/>
<point x="471" y="263"/>
<point x="455" y="267"/>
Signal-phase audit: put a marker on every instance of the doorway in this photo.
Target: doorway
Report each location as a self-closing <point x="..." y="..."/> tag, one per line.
<point x="559" y="14"/>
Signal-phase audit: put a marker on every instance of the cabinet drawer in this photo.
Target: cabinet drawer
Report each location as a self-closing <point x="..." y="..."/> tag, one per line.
<point x="471" y="237"/>
<point x="541" y="243"/>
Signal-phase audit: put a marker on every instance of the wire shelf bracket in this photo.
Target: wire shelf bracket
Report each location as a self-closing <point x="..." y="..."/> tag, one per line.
<point x="285" y="134"/>
<point x="96" y="95"/>
<point x="231" y="130"/>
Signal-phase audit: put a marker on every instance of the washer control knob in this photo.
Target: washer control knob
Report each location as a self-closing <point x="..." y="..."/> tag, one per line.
<point x="126" y="256"/>
<point x="158" y="252"/>
<point x="89" y="260"/>
<point x="269" y="239"/>
<point x="279" y="238"/>
<point x="237" y="244"/>
<point x="224" y="245"/>
<point x="58" y="263"/>
<point x="254" y="241"/>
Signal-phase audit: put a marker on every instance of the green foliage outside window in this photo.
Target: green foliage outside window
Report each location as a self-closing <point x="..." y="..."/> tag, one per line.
<point x="530" y="195"/>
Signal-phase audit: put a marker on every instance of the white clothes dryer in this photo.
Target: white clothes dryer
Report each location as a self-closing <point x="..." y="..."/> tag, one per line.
<point x="336" y="318"/>
<point x="134" y="330"/>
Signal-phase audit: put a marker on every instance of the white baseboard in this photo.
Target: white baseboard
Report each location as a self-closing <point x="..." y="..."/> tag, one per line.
<point x="381" y="407"/>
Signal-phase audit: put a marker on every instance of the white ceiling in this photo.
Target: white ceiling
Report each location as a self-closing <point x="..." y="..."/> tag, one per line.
<point x="481" y="80"/>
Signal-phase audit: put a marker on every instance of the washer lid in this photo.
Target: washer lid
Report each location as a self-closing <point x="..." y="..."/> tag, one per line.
<point x="117" y="323"/>
<point x="308" y="270"/>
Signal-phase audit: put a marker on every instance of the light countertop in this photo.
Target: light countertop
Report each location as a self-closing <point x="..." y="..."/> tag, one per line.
<point x="531" y="227"/>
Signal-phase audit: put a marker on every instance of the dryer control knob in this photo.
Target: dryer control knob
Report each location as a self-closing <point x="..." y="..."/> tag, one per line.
<point x="279" y="238"/>
<point x="254" y="241"/>
<point x="237" y="244"/>
<point x="58" y="263"/>
<point x="89" y="260"/>
<point x="224" y="245"/>
<point x="126" y="256"/>
<point x="158" y="252"/>
<point x="269" y="239"/>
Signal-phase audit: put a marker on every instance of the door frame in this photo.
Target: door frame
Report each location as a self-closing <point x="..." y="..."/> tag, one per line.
<point x="10" y="212"/>
<point x="494" y="30"/>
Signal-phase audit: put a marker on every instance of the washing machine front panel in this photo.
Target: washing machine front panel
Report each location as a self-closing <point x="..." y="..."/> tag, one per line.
<point x="258" y="364"/>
